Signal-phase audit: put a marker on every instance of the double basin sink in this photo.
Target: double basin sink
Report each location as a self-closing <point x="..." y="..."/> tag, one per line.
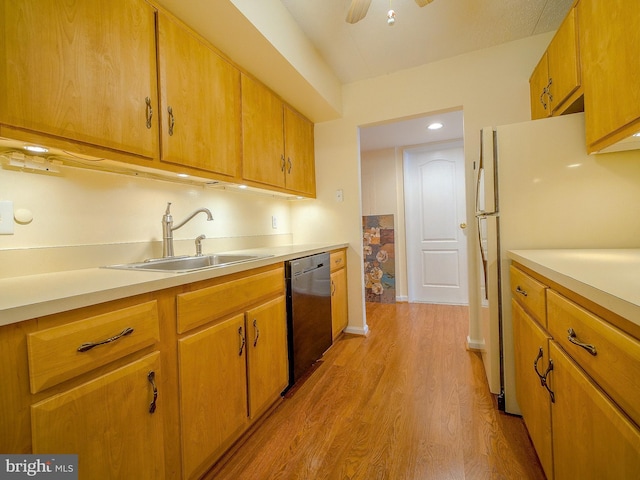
<point x="187" y="263"/>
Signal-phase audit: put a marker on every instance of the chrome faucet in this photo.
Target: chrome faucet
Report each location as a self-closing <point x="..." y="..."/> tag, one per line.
<point x="168" y="228"/>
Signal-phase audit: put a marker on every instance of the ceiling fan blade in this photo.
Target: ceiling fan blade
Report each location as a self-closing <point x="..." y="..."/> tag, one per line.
<point x="423" y="3"/>
<point x="357" y="10"/>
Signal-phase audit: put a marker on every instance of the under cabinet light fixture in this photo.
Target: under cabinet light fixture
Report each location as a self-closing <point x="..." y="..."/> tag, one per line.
<point x="35" y="149"/>
<point x="435" y="126"/>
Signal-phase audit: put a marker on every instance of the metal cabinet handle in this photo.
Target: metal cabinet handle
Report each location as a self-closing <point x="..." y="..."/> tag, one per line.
<point x="535" y="367"/>
<point x="151" y="376"/>
<point x="549" y="90"/>
<point x="172" y="120"/>
<point x="333" y="288"/>
<point x="242" y="341"/>
<point x="544" y="92"/>
<point x="573" y="338"/>
<point x="282" y="163"/>
<point x="149" y="111"/>
<point x="85" y="347"/>
<point x="521" y="291"/>
<point x="545" y="384"/>
<point x="290" y="164"/>
<point x="256" y="331"/>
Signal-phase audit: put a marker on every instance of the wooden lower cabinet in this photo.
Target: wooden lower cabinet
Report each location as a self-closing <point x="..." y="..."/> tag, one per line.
<point x="339" y="304"/>
<point x="267" y="361"/>
<point x="592" y="437"/>
<point x="532" y="344"/>
<point x="213" y="392"/>
<point x="108" y="423"/>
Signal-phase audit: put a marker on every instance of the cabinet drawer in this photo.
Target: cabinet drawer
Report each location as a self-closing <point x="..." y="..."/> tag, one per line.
<point x="529" y="293"/>
<point x="202" y="306"/>
<point x="55" y="356"/>
<point x="616" y="363"/>
<point x="338" y="259"/>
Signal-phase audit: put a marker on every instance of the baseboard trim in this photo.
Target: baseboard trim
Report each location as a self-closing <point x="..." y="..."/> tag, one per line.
<point x="364" y="331"/>
<point x="475" y="345"/>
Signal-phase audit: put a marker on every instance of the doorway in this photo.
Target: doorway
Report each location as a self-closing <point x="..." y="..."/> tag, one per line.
<point x="436" y="224"/>
<point x="382" y="152"/>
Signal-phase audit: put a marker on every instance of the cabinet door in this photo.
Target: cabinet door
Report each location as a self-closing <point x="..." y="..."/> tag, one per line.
<point x="609" y="46"/>
<point x="108" y="423"/>
<point x="531" y="345"/>
<point x="564" y="67"/>
<point x="538" y="83"/>
<point x="267" y="362"/>
<point x="81" y="71"/>
<point x="592" y="438"/>
<point x="262" y="134"/>
<point x="202" y="92"/>
<point x="300" y="163"/>
<point x="213" y="392"/>
<point x="339" y="307"/>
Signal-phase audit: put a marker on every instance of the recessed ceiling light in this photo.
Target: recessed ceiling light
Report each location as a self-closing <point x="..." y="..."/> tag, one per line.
<point x="36" y="149"/>
<point x="435" y="126"/>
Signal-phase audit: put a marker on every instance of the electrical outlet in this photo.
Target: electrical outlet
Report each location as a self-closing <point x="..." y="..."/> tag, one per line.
<point x="6" y="217"/>
<point x="274" y="222"/>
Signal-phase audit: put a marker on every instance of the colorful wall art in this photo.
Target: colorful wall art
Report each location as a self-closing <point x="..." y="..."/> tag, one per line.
<point x="379" y="258"/>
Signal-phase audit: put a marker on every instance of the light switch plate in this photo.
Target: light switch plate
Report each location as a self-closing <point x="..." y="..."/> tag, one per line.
<point x="6" y="217"/>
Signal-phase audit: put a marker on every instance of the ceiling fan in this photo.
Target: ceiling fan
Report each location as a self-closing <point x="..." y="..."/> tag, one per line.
<point x="358" y="9"/>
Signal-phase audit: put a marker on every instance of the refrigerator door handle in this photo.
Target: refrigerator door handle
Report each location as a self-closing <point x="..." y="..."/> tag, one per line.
<point x="483" y="257"/>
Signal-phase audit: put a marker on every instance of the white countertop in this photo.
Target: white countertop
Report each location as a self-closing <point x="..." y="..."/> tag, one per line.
<point x="610" y="278"/>
<point x="22" y="298"/>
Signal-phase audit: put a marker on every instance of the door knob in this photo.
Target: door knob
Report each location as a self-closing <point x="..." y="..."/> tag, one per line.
<point x="463" y="226"/>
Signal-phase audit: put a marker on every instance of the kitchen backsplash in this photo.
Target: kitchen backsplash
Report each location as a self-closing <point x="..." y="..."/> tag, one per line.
<point x="84" y="218"/>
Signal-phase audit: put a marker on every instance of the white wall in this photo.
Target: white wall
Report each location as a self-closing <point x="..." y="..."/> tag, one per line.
<point x="383" y="194"/>
<point x="490" y="85"/>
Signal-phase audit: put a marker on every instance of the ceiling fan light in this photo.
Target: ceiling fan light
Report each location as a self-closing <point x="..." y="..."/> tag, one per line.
<point x="391" y="17"/>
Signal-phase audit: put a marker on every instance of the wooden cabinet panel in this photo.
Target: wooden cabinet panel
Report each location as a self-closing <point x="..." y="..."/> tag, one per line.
<point x="339" y="305"/>
<point x="213" y="392"/>
<point x="54" y="354"/>
<point x="564" y="65"/>
<point x="338" y="259"/>
<point x="530" y="292"/>
<point x="616" y="363"/>
<point x="81" y="71"/>
<point x="609" y="46"/>
<point x="108" y="423"/>
<point x="202" y="90"/>
<point x="300" y="160"/>
<point x="592" y="438"/>
<point x="262" y="134"/>
<point x="538" y="83"/>
<point x="531" y="343"/>
<point x="207" y="304"/>
<point x="267" y="362"/>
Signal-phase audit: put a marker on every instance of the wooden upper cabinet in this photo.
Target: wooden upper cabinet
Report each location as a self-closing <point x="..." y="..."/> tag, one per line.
<point x="200" y="102"/>
<point x="610" y="42"/>
<point x="300" y="161"/>
<point x="262" y="134"/>
<point x="564" y="65"/>
<point x="278" y="147"/>
<point x="555" y="82"/>
<point x="83" y="71"/>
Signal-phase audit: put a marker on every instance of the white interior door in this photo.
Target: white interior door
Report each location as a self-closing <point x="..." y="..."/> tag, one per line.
<point x="435" y="223"/>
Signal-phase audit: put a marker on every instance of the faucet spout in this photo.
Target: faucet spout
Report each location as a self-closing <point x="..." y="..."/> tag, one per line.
<point x="168" y="228"/>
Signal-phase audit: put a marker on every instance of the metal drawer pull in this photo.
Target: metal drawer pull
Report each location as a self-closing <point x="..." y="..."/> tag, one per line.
<point x="152" y="380"/>
<point x="535" y="367"/>
<point x="256" y="331"/>
<point x="574" y="339"/>
<point x="242" y="342"/>
<point x="149" y="111"/>
<point x="546" y="385"/>
<point x="88" y="346"/>
<point x="521" y="291"/>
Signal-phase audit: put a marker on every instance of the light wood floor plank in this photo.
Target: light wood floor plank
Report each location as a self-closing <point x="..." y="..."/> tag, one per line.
<point x="407" y="402"/>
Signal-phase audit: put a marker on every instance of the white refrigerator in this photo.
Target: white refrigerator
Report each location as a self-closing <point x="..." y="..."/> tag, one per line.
<point x="537" y="188"/>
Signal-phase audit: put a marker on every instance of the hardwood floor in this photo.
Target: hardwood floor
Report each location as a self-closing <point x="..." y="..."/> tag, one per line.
<point x="406" y="402"/>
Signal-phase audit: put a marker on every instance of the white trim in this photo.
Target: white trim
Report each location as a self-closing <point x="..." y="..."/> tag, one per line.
<point x="358" y="330"/>
<point x="475" y="344"/>
<point x="402" y="298"/>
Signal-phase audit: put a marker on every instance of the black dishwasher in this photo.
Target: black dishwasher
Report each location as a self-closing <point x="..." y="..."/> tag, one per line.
<point x="308" y="312"/>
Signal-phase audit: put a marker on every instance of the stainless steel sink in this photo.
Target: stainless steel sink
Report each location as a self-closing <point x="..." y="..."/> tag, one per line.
<point x="186" y="263"/>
